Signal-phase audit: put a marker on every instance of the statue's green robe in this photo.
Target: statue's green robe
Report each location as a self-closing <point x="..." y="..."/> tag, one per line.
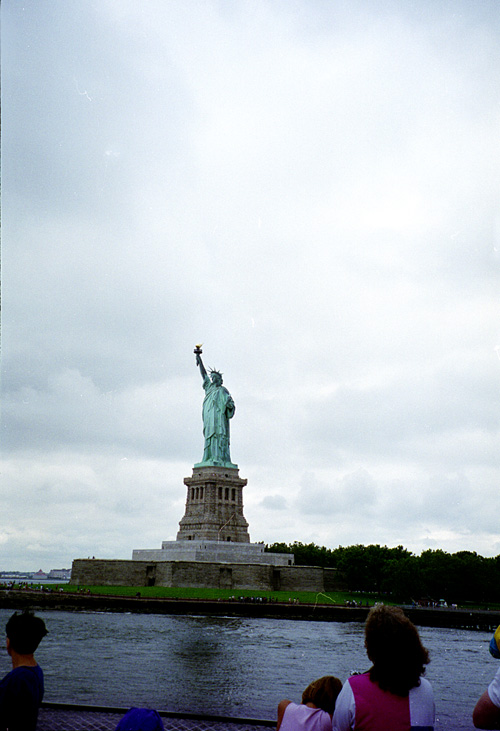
<point x="218" y="408"/>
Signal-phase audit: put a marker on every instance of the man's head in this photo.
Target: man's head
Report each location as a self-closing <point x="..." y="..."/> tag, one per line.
<point x="24" y="633"/>
<point x="216" y="377"/>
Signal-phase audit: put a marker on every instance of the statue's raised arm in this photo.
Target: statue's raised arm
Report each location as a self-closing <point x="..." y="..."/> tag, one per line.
<point x="199" y="362"/>
<point x="218" y="408"/>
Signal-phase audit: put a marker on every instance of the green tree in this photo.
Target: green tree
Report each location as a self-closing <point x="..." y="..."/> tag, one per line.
<point x="403" y="579"/>
<point x="306" y="554"/>
<point x="278" y="548"/>
<point x="436" y="569"/>
<point x="470" y="579"/>
<point x="354" y="568"/>
<point x="435" y="574"/>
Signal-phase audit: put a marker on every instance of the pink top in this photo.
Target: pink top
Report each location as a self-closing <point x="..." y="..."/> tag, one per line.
<point x="301" y="717"/>
<point x="363" y="706"/>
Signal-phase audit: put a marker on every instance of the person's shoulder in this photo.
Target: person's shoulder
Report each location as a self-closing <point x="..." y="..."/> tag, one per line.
<point x="422" y="693"/>
<point x="27" y="669"/>
<point x="23" y="672"/>
<point x="494" y="689"/>
<point x="358" y="679"/>
<point x="282" y="707"/>
<point x="6" y="679"/>
<point x="312" y="717"/>
<point x="18" y="672"/>
<point x="425" y="685"/>
<point x="345" y="707"/>
<point x="14" y="680"/>
<point x="496" y="677"/>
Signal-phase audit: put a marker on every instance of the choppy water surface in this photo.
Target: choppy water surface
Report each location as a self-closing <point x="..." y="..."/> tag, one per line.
<point x="239" y="667"/>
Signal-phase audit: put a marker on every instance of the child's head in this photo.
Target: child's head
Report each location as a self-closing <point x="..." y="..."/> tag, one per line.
<point x="323" y="692"/>
<point x="141" y="719"/>
<point x="24" y="632"/>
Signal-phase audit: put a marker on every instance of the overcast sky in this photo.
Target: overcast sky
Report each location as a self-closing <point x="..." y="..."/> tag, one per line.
<point x="310" y="188"/>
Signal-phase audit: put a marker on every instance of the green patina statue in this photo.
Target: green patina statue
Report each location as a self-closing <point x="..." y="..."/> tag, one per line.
<point x="218" y="408"/>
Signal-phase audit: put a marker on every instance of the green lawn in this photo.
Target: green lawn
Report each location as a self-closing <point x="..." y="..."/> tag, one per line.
<point x="304" y="597"/>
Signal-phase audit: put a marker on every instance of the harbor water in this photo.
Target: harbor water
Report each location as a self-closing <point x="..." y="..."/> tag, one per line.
<point x="238" y="667"/>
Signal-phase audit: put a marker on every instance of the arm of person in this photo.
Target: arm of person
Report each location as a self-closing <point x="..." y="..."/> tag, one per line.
<point x="345" y="709"/>
<point x="281" y="712"/>
<point x="486" y="714"/>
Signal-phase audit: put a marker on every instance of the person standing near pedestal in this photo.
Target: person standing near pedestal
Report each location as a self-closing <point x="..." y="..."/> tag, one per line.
<point x="218" y="408"/>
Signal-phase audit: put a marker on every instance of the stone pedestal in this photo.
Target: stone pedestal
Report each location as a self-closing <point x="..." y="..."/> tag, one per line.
<point x="214" y="506"/>
<point x="213" y="530"/>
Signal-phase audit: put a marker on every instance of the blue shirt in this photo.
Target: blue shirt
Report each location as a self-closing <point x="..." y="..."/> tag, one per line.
<point x="21" y="692"/>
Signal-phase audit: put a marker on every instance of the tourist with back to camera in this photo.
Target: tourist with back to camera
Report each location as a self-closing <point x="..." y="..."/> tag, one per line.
<point x="316" y="710"/>
<point x="392" y="695"/>
<point x="487" y="711"/>
<point x="21" y="690"/>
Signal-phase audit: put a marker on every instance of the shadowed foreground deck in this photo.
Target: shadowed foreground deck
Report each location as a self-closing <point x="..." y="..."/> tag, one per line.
<point x="63" y="717"/>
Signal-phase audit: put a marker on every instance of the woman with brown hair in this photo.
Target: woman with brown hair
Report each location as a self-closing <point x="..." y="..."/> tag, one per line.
<point x="392" y="695"/>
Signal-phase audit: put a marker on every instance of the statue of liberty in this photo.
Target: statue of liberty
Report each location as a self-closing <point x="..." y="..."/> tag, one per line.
<point x="218" y="408"/>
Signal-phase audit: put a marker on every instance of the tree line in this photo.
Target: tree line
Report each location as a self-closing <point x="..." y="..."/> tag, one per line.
<point x="435" y="574"/>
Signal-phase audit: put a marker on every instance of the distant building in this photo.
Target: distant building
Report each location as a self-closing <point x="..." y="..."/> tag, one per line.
<point x="15" y="575"/>
<point x="62" y="574"/>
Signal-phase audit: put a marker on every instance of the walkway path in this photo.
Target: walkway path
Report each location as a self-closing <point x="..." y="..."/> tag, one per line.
<point x="78" y="718"/>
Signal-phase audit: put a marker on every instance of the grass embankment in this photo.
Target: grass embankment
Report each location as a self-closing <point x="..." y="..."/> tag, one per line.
<point x="304" y="597"/>
<point x="163" y="592"/>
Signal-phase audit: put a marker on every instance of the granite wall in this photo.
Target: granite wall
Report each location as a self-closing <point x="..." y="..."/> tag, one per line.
<point x="101" y="572"/>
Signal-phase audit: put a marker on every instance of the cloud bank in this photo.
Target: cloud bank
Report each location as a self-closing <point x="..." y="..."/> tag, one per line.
<point x="309" y="189"/>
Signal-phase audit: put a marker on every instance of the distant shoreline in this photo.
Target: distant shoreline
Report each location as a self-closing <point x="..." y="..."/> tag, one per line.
<point x="484" y="620"/>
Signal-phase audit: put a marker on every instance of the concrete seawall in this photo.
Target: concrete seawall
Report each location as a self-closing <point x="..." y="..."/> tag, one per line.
<point x="486" y="621"/>
<point x="204" y="574"/>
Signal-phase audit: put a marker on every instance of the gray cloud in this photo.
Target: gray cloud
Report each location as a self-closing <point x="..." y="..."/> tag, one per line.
<point x="274" y="502"/>
<point x="309" y="190"/>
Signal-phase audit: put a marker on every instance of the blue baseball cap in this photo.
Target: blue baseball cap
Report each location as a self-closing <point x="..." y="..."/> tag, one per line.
<point x="141" y="719"/>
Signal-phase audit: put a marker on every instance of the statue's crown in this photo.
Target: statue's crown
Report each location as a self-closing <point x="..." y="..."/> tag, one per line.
<point x="214" y="370"/>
